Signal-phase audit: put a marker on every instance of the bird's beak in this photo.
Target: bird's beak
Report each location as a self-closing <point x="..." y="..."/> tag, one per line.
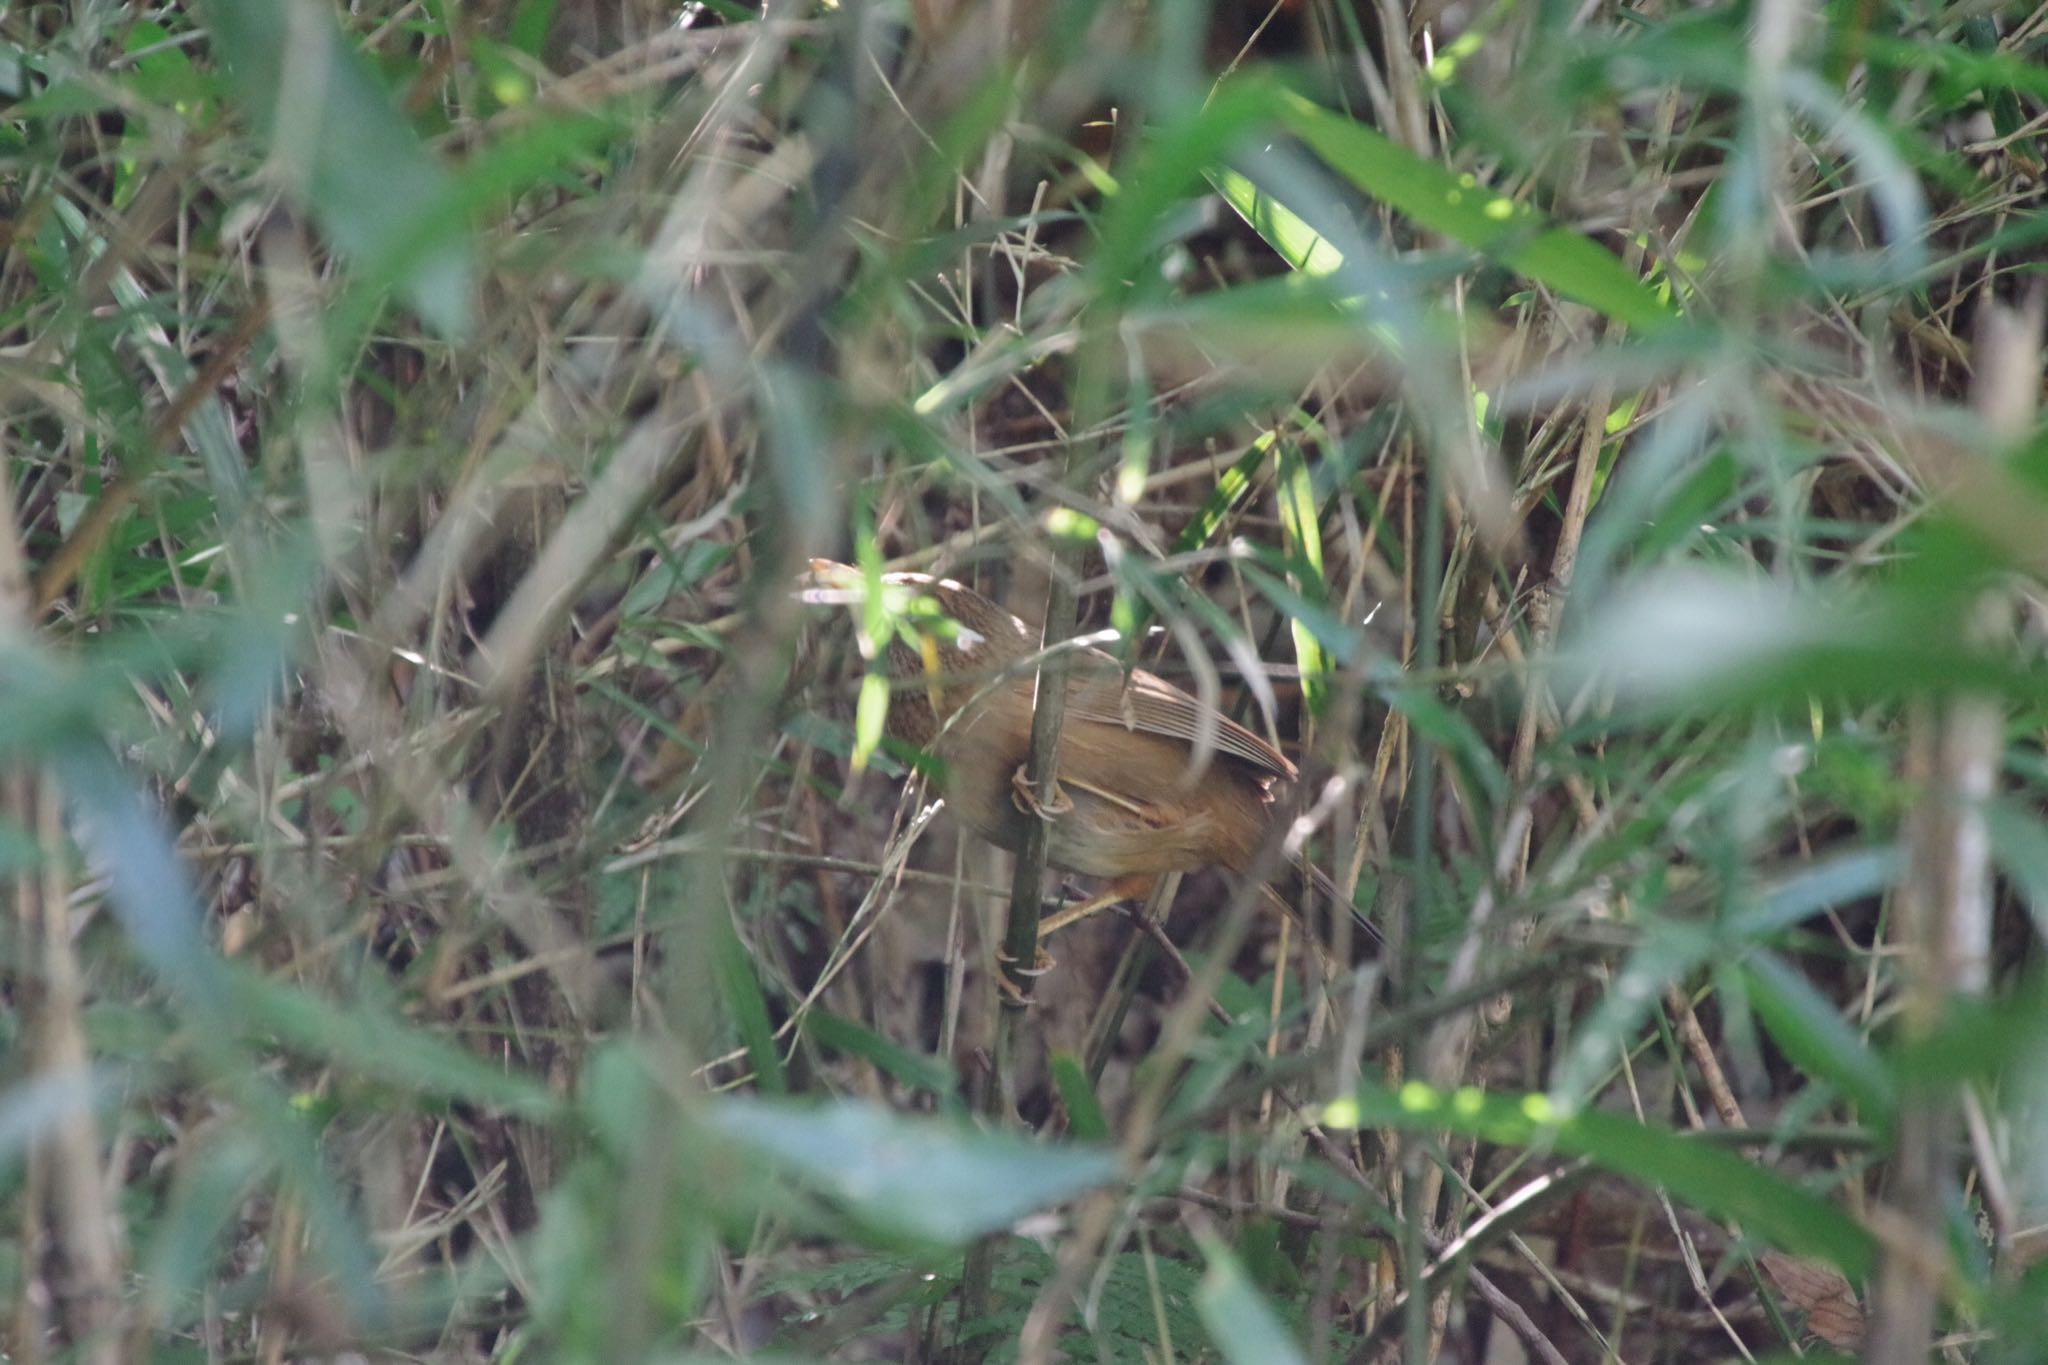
<point x="831" y="583"/>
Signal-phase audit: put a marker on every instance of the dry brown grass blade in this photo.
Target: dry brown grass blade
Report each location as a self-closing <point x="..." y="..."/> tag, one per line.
<point x="61" y="568"/>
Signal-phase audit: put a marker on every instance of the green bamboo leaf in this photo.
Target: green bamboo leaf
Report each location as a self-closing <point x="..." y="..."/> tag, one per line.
<point x="1084" y="1111"/>
<point x="870" y="716"/>
<point x="1977" y="1040"/>
<point x="1299" y="244"/>
<point x="2019" y="839"/>
<point x="1231" y="486"/>
<point x="1684" y="637"/>
<point x="1175" y="162"/>
<point x="1812" y="1033"/>
<point x="741" y="987"/>
<point x="918" y="1069"/>
<point x="1298" y="522"/>
<point x="1670" y="950"/>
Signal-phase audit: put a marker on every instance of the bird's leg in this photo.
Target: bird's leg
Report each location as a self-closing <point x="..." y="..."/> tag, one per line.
<point x="1134" y="888"/>
<point x="1027" y="800"/>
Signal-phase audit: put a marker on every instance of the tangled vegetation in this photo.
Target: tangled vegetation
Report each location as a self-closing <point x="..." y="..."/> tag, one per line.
<point x="466" y="907"/>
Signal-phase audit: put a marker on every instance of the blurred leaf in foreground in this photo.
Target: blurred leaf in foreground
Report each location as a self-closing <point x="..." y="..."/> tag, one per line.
<point x="347" y="154"/>
<point x="1688" y="637"/>
<point x="1240" y="1321"/>
<point x="923" y="1179"/>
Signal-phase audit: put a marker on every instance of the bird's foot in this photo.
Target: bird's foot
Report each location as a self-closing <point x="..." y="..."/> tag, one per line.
<point x="1074" y="914"/>
<point x="1027" y="800"/>
<point x="1014" y="981"/>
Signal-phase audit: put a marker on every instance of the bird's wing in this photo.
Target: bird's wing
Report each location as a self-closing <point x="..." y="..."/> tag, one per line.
<point x="1100" y="692"/>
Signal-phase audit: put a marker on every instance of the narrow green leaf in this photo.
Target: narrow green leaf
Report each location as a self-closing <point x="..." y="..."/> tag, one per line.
<point x="1175" y="162"/>
<point x="1084" y="1111"/>
<point x="870" y="717"/>
<point x="1680" y="638"/>
<point x="918" y="1069"/>
<point x="1301" y="246"/>
<point x="1298" y="522"/>
<point x="742" y="991"/>
<point x="1669" y="951"/>
<point x="1457" y="206"/>
<point x="1710" y="1179"/>
<point x="184" y="1243"/>
<point x="1823" y="885"/>
<point x="2020" y="841"/>
<point x="1977" y="1040"/>
<point x="1230" y="489"/>
<point x="1811" y="1032"/>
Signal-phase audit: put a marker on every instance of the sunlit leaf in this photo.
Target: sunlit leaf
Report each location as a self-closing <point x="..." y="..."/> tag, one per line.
<point x="1300" y="245"/>
<point x="1444" y="201"/>
<point x="1300" y="522"/>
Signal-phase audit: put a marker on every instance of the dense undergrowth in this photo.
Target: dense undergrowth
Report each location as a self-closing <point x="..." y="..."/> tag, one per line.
<point x="461" y="910"/>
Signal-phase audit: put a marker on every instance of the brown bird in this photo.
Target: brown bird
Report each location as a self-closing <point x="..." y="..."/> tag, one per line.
<point x="1131" y="804"/>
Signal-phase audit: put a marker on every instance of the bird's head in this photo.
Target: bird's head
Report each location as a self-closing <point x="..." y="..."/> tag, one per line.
<point x="925" y="626"/>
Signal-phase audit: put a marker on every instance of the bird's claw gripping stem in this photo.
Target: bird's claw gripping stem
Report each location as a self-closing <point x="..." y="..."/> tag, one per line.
<point x="1015" y="991"/>
<point x="1027" y="800"/>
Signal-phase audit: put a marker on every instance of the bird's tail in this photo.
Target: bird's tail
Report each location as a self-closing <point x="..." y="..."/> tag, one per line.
<point x="1317" y="883"/>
